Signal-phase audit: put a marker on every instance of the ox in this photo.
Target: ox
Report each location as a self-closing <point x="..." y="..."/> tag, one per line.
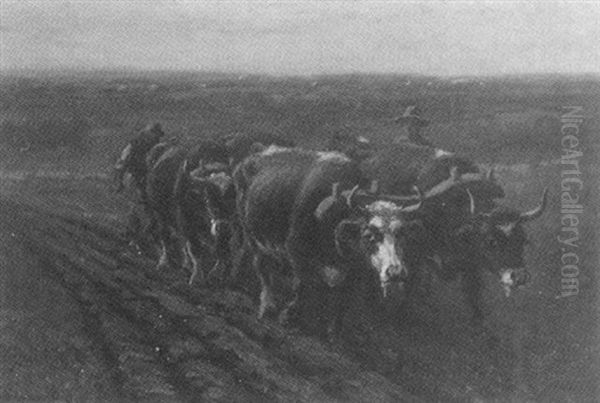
<point x="186" y="190"/>
<point x="241" y="145"/>
<point x="192" y="200"/>
<point x="467" y="230"/>
<point x="356" y="147"/>
<point x="294" y="212"/>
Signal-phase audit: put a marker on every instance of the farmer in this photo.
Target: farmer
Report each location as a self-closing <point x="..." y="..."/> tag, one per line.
<point x="133" y="158"/>
<point x="140" y="225"/>
<point x="412" y="123"/>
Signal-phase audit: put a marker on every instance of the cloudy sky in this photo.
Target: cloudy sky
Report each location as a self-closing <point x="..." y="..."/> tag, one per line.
<point x="303" y="37"/>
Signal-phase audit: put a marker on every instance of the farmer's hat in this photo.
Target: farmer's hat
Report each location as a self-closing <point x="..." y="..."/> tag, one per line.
<point x="155" y="128"/>
<point x="412" y="114"/>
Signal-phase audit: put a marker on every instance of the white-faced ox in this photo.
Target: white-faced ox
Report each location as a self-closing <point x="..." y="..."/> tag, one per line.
<point x="302" y="210"/>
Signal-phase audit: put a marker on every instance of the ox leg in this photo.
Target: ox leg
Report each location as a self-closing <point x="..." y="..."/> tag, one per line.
<point x="147" y="238"/>
<point x="163" y="260"/>
<point x="267" y="301"/>
<point x="472" y="287"/>
<point x="160" y="243"/>
<point x="192" y="263"/>
<point x="289" y="315"/>
<point x="135" y="231"/>
<point x="241" y="263"/>
<point x="337" y="306"/>
<point x="242" y="276"/>
<point x="166" y="244"/>
<point x="306" y="310"/>
<point x="240" y="256"/>
<point x="187" y="259"/>
<point x="239" y="250"/>
<point x="132" y="230"/>
<point x="217" y="274"/>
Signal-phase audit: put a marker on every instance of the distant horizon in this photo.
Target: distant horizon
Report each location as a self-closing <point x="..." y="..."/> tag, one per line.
<point x="303" y="37"/>
<point x="246" y="74"/>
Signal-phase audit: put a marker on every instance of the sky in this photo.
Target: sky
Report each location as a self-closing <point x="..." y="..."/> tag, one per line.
<point x="447" y="38"/>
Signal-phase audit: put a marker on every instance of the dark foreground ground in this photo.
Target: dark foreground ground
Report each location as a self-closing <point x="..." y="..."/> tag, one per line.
<point x="84" y="317"/>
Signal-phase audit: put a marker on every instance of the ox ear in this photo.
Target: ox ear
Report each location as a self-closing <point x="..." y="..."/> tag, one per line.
<point x="537" y="211"/>
<point x="465" y="232"/>
<point x="257" y="147"/>
<point x="186" y="167"/>
<point x="347" y="233"/>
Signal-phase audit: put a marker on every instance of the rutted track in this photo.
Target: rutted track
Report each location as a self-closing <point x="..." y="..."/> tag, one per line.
<point x="158" y="339"/>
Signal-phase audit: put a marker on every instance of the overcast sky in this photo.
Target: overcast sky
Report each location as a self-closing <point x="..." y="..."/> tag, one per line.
<point x="303" y="37"/>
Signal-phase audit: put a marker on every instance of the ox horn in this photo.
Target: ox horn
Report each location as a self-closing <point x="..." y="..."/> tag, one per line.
<point x="418" y="197"/>
<point x="414" y="207"/>
<point x="399" y="199"/>
<point x="441" y="187"/>
<point x="374" y="187"/>
<point x="537" y="211"/>
<point x="471" y="202"/>
<point x="350" y="197"/>
<point x="215" y="166"/>
<point x="454" y="175"/>
<point x="335" y="190"/>
<point x="329" y="201"/>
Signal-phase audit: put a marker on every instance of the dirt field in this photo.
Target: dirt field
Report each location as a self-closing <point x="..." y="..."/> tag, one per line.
<point x="84" y="317"/>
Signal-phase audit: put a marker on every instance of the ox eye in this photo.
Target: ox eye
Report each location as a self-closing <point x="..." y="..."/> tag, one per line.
<point x="370" y="236"/>
<point x="398" y="231"/>
<point x="492" y="243"/>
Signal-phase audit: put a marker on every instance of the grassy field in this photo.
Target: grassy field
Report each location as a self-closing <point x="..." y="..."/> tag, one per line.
<point x="74" y="125"/>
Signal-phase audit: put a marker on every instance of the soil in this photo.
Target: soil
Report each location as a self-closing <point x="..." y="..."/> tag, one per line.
<point x="85" y="317"/>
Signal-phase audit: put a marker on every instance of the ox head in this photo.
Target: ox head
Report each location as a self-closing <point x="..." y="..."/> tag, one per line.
<point x="499" y="239"/>
<point x="384" y="229"/>
<point x="241" y="145"/>
<point x="356" y="147"/>
<point x="212" y="182"/>
<point x="496" y="238"/>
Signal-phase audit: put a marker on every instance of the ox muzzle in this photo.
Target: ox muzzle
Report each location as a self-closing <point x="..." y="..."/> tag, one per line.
<point x="392" y="270"/>
<point x="511" y="278"/>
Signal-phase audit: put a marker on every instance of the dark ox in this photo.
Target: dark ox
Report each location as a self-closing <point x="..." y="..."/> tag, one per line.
<point x="357" y="148"/>
<point x="241" y="145"/>
<point x="294" y="212"/>
<point x="187" y="195"/>
<point x="192" y="199"/>
<point x="467" y="230"/>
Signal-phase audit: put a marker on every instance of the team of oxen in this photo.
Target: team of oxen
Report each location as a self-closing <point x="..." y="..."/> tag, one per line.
<point x="331" y="220"/>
